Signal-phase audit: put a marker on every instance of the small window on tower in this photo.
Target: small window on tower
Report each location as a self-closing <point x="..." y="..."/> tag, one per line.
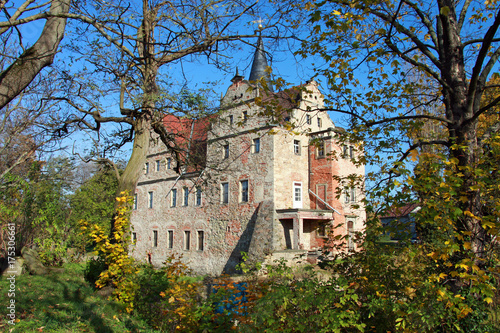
<point x="296" y="147"/>
<point x="321" y="150"/>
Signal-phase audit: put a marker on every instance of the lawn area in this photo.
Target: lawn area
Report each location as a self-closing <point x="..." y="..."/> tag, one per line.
<point x="63" y="302"/>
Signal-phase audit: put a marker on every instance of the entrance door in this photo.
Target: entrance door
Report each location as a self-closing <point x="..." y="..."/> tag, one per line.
<point x="297" y="195"/>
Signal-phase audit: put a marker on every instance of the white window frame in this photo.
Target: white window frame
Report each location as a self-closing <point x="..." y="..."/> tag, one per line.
<point x="297" y="203"/>
<point x="296" y="147"/>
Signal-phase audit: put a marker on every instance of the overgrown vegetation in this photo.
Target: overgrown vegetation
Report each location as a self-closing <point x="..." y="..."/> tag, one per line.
<point x="64" y="302"/>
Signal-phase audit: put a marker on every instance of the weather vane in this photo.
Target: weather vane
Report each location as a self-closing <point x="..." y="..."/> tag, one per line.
<point x="259" y="21"/>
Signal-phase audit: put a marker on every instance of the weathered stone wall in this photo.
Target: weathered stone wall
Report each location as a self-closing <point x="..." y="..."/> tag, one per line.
<point x="251" y="226"/>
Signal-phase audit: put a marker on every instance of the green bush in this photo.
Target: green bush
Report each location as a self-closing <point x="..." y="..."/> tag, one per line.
<point x="94" y="267"/>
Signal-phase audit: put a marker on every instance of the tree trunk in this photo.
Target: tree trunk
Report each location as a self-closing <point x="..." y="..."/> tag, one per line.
<point x="135" y="165"/>
<point x="20" y="73"/>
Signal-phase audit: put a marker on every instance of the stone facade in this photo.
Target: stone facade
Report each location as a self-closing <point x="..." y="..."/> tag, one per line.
<point x="258" y="186"/>
<point x="261" y="176"/>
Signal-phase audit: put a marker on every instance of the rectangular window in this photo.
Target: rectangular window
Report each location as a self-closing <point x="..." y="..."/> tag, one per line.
<point x="155" y="238"/>
<point x="225" y="152"/>
<point x="256" y="145"/>
<point x="135" y="201"/>
<point x="186" y="196"/>
<point x="170" y="239"/>
<point x="231" y="120"/>
<point x="173" y="199"/>
<point x="297" y="195"/>
<point x="225" y="193"/>
<point x="146" y="168"/>
<point x="308" y="119"/>
<point x="198" y="196"/>
<point x="244" y="116"/>
<point x="158" y="165"/>
<point x="350" y="234"/>
<point x="169" y="163"/>
<point x="150" y="199"/>
<point x="201" y="240"/>
<point x="244" y="191"/>
<point x="134" y="237"/>
<point x="319" y="122"/>
<point x="296" y="147"/>
<point x="350" y="195"/>
<point x="321" y="149"/>
<point x="351" y="152"/>
<point x="344" y="151"/>
<point x="187" y="239"/>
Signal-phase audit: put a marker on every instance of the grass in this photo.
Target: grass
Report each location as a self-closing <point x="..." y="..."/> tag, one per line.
<point x="63" y="302"/>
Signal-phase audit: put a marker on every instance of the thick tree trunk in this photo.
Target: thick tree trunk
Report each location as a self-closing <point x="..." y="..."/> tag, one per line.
<point x="20" y="73"/>
<point x="135" y="165"/>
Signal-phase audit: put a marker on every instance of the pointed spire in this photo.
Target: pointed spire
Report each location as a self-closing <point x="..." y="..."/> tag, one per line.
<point x="237" y="77"/>
<point x="259" y="64"/>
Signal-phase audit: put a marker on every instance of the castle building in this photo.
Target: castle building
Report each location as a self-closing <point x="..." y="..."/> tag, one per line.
<point x="261" y="176"/>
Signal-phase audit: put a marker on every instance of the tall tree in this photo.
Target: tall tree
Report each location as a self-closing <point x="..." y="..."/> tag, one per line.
<point x="129" y="48"/>
<point x="455" y="46"/>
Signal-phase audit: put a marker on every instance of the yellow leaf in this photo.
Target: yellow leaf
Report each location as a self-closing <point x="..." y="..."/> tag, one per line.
<point x="467" y="245"/>
<point x="445" y="11"/>
<point x="488" y="300"/>
<point x="336" y="12"/>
